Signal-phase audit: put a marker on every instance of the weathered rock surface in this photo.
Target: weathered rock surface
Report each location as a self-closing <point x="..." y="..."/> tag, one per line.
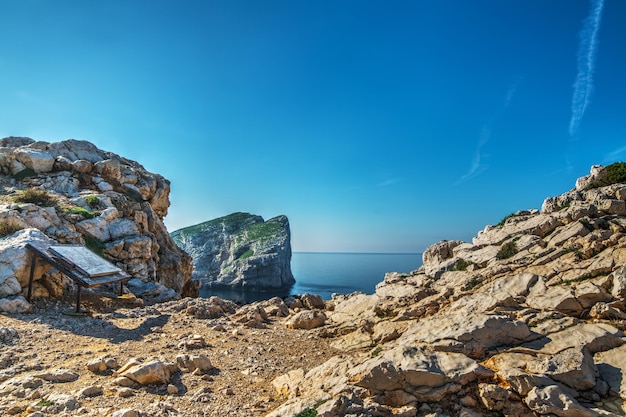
<point x="526" y="320"/>
<point x="240" y="250"/>
<point x="93" y="197"/>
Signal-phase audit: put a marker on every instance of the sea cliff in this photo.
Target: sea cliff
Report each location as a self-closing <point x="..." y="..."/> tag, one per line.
<point x="240" y="250"/>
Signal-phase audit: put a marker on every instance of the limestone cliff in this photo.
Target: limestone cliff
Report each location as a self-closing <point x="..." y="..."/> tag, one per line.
<point x="73" y="192"/>
<point x="240" y="250"/>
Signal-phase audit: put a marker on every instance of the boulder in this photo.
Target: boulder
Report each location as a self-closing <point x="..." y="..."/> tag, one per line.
<point x="472" y="334"/>
<point x="612" y="368"/>
<point x="595" y="337"/>
<point x="152" y="372"/>
<point x="424" y="375"/>
<point x="35" y="159"/>
<point x="309" y="319"/>
<point x="561" y="298"/>
<point x="194" y="362"/>
<point x="15" y="305"/>
<point x="552" y="400"/>
<point x="58" y="375"/>
<point x="435" y="256"/>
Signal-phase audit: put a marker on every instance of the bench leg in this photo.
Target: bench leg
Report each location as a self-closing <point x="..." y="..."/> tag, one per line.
<point x="121" y="288"/>
<point x="78" y="298"/>
<point x="30" y="280"/>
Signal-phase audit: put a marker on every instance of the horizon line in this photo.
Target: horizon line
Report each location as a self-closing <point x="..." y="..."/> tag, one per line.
<point x="358" y="253"/>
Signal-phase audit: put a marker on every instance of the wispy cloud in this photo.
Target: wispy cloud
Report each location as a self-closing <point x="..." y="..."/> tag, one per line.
<point x="615" y="155"/>
<point x="478" y="165"/>
<point x="388" y="182"/>
<point x="587" y="51"/>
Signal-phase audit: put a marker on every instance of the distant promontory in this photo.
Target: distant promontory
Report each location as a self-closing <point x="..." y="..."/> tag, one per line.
<point x="240" y="250"/>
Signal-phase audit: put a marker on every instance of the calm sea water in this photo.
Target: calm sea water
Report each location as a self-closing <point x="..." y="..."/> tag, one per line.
<point x="328" y="273"/>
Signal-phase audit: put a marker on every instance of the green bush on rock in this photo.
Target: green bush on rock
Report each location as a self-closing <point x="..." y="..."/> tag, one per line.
<point x="8" y="227"/>
<point x="307" y="412"/>
<point x="507" y="250"/>
<point x="612" y="174"/>
<point x="35" y="196"/>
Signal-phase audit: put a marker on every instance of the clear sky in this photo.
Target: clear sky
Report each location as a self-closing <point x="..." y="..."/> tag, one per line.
<point x="375" y="126"/>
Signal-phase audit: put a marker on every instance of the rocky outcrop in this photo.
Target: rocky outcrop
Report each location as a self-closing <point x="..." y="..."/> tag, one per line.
<point x="240" y="250"/>
<point x="528" y="319"/>
<point x="71" y="192"/>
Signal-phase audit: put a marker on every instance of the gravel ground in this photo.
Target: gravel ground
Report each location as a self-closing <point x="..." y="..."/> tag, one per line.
<point x="245" y="361"/>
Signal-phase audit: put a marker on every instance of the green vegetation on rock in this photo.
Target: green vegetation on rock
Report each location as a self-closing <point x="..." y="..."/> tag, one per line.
<point x="461" y="265"/>
<point x="8" y="227"/>
<point x="507" y="217"/>
<point x="245" y="255"/>
<point x="307" y="412"/>
<point x="262" y="231"/>
<point x="93" y="201"/>
<point x="507" y="250"/>
<point x="35" y="196"/>
<point x="612" y="174"/>
<point x="234" y="221"/>
<point x="87" y="214"/>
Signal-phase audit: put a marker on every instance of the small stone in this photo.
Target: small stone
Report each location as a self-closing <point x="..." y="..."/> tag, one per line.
<point x="97" y="365"/>
<point x="123" y="382"/>
<point x="92" y="391"/>
<point x="125" y="412"/>
<point x="111" y="363"/>
<point x="13" y="410"/>
<point x="228" y="391"/>
<point x="59" y="375"/>
<point x="469" y="401"/>
<point x="125" y="392"/>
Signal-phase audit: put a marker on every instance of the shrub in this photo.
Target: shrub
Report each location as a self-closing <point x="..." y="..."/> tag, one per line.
<point x="8" y="227"/>
<point x="93" y="201"/>
<point x="613" y="174"/>
<point x="95" y="245"/>
<point x="474" y="281"/>
<point x="307" y="412"/>
<point x="80" y="211"/>
<point x="36" y="196"/>
<point x="461" y="265"/>
<point x="44" y="403"/>
<point x="507" y="250"/>
<point x="245" y="255"/>
<point x="503" y="221"/>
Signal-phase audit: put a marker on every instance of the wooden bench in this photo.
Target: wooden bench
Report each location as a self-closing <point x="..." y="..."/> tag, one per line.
<point x="78" y="263"/>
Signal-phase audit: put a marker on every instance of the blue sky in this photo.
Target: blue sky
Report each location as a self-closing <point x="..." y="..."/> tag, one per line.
<point x="375" y="126"/>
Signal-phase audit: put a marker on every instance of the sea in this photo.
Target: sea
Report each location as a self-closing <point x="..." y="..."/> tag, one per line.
<point x="326" y="274"/>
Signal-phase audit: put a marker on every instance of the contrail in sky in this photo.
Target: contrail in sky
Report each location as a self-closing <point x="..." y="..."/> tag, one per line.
<point x="478" y="165"/>
<point x="586" y="60"/>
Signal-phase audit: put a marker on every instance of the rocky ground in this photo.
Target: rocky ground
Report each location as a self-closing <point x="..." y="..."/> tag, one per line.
<point x="46" y="357"/>
<point x="526" y="320"/>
